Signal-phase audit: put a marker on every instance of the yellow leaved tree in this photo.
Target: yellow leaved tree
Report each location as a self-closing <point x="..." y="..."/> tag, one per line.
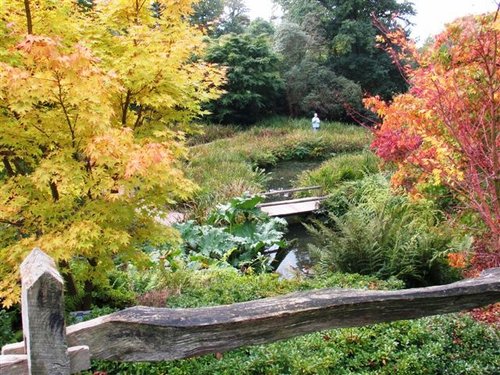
<point x="94" y="99"/>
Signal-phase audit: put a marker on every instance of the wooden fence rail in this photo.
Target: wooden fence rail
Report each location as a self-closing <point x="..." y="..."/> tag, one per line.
<point x="155" y="334"/>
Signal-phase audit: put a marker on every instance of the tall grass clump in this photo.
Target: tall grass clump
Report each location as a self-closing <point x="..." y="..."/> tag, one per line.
<point x="211" y="132"/>
<point x="339" y="169"/>
<point x="372" y="231"/>
<point x="221" y="174"/>
<point x="289" y="141"/>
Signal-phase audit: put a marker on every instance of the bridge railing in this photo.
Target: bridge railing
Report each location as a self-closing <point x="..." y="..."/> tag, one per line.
<point x="290" y="191"/>
<point x="155" y="334"/>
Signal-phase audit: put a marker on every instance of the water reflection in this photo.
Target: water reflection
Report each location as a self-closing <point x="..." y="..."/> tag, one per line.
<point x="282" y="177"/>
<point x="283" y="174"/>
<point x="297" y="261"/>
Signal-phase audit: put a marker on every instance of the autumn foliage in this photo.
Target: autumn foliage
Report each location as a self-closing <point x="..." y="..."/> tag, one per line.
<point x="445" y="130"/>
<point x="93" y="102"/>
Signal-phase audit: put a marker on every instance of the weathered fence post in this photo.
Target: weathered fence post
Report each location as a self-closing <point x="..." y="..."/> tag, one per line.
<point x="42" y="304"/>
<point x="44" y="350"/>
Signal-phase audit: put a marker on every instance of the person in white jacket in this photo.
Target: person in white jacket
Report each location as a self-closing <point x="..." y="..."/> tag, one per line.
<point x="315" y="122"/>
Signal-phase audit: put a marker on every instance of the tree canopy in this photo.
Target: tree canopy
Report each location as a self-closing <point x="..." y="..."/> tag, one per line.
<point x="444" y="131"/>
<point x="93" y="102"/>
<point x="339" y="36"/>
<point x="253" y="86"/>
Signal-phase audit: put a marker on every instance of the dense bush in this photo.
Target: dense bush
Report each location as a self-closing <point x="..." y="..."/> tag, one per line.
<point x="311" y="87"/>
<point x="6" y="331"/>
<point x="225" y="286"/>
<point x="253" y="85"/>
<point x="373" y="231"/>
<point x="188" y="287"/>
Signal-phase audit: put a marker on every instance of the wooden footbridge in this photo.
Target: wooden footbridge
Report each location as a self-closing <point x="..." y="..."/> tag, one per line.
<point x="291" y="206"/>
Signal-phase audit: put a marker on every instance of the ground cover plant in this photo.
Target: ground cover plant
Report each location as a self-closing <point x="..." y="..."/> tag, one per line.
<point x="450" y="344"/>
<point x="220" y="286"/>
<point x="235" y="234"/>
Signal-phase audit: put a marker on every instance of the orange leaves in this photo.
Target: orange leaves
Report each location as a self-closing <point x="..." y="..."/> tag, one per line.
<point x="376" y="104"/>
<point x="395" y="140"/>
<point x="39" y="47"/>
<point x="457" y="260"/>
<point x="46" y="53"/>
<point x="117" y="150"/>
<point x="126" y="164"/>
<point x="146" y="158"/>
<point x="68" y="79"/>
<point x="445" y="130"/>
<point x="111" y="146"/>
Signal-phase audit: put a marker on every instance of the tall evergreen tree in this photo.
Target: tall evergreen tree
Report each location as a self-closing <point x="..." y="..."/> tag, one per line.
<point x="207" y="14"/>
<point x="235" y="18"/>
<point x="254" y="85"/>
<point x="350" y="38"/>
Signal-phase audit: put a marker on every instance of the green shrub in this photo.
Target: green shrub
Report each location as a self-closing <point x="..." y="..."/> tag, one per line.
<point x="372" y="231"/>
<point x="116" y="294"/>
<point x="187" y="287"/>
<point x="224" y="286"/>
<point x="6" y="330"/>
<point x="93" y="313"/>
<point x="444" y="197"/>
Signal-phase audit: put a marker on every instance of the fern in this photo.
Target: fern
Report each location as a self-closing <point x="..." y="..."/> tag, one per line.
<point x="372" y="231"/>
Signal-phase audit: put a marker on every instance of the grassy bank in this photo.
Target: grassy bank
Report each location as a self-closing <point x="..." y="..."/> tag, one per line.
<point x="237" y="161"/>
<point x="340" y="168"/>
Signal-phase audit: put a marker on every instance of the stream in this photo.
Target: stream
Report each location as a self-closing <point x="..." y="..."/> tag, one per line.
<point x="282" y="177"/>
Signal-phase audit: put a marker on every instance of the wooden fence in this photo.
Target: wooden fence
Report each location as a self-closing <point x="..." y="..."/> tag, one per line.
<point x="155" y="334"/>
